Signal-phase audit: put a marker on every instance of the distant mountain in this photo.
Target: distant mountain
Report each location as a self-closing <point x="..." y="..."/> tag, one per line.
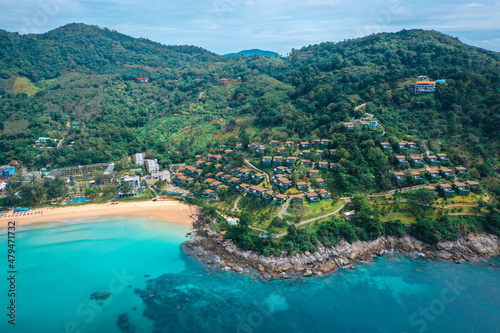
<point x="253" y="52"/>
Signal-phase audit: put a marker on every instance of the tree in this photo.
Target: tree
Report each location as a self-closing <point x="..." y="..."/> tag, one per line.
<point x="425" y="231"/>
<point x="55" y="189"/>
<point x="299" y="211"/>
<point x="31" y="192"/>
<point x="125" y="187"/>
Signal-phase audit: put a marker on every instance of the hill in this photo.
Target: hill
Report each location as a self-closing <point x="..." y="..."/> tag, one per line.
<point x="87" y="84"/>
<point x="252" y="52"/>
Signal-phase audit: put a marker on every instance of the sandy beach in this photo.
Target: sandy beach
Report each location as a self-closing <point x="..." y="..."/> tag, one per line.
<point x="167" y="210"/>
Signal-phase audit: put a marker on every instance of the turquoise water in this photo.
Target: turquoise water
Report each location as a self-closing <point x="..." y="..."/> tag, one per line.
<point x="155" y="287"/>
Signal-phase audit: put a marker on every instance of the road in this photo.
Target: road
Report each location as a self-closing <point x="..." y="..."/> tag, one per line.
<point x="284" y="209"/>
<point x="247" y="161"/>
<point x="235" y="208"/>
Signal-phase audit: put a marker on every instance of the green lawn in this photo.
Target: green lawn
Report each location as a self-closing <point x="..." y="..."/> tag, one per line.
<point x="317" y="209"/>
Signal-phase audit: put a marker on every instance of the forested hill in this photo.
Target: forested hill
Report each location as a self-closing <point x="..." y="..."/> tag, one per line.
<point x="90" y="50"/>
<point x="90" y="77"/>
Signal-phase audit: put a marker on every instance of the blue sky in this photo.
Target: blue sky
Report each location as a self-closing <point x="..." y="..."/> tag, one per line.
<point x="224" y="26"/>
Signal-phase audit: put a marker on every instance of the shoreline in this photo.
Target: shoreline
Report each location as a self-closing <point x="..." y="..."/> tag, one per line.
<point x="171" y="210"/>
<point x="213" y="250"/>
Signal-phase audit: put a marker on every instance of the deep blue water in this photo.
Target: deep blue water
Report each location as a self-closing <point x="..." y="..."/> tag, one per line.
<point x="157" y="288"/>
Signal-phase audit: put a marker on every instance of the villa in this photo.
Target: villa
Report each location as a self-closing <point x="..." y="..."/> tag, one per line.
<point x="446" y="190"/>
<point x="461" y="188"/>
<point x="461" y="172"/>
<point x="313" y="197"/>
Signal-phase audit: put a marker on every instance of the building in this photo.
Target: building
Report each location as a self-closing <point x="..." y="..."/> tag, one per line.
<point x="277" y="160"/>
<point x="461" y="188"/>
<point x="274" y="143"/>
<point x="280" y="199"/>
<point x="402" y="147"/>
<point x="446" y="190"/>
<point x="386" y="146"/>
<point x="290" y="161"/>
<point x="81" y="169"/>
<point x="208" y="194"/>
<point x="282" y="169"/>
<point x="324" y="195"/>
<point x="258" y="178"/>
<point x="313" y="197"/>
<point x="332" y="153"/>
<point x="421" y="87"/>
<point x="281" y="150"/>
<point x="306" y="163"/>
<point x="313" y="173"/>
<point x="447" y="173"/>
<point x="133" y="181"/>
<point x="433" y="160"/>
<point x="416" y="161"/>
<point x="297" y="199"/>
<point x="234" y="181"/>
<point x="417" y="177"/>
<point x="324" y="143"/>
<point x="302" y="186"/>
<point x="224" y="81"/>
<point x="412" y="146"/>
<point x="269" y="196"/>
<point x="260" y="151"/>
<point x="474" y="186"/>
<point x="461" y="172"/>
<point x="399" y="179"/>
<point x="349" y="125"/>
<point x="138" y="158"/>
<point x="31" y="175"/>
<point x="152" y="166"/>
<point x="289" y="144"/>
<point x="242" y="187"/>
<point x="433" y="175"/>
<point x="316" y="142"/>
<point x="304" y="145"/>
<point x="7" y="171"/>
<point x="321" y="182"/>
<point x="323" y="166"/>
<point x="443" y="159"/>
<point x="400" y="160"/>
<point x="108" y="176"/>
<point x="305" y="153"/>
<point x="266" y="161"/>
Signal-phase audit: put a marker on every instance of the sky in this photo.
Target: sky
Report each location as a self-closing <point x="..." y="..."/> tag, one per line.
<point x="224" y="26"/>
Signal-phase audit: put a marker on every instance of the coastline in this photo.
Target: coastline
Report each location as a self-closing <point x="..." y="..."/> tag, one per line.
<point x="211" y="247"/>
<point x="171" y="210"/>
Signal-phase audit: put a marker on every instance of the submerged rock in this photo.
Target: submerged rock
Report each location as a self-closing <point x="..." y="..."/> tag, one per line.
<point x="100" y="295"/>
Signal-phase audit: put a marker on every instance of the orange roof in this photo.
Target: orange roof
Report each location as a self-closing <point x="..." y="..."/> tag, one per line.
<point x="426" y="82"/>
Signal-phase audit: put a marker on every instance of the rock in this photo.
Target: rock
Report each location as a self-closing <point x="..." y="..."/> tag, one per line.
<point x="100" y="295"/>
<point x="237" y="269"/>
<point x="307" y="273"/>
<point x="200" y="254"/>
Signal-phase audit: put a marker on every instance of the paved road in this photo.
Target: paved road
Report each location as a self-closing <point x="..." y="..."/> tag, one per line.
<point x="235" y="208"/>
<point x="284" y="209"/>
<point x="247" y="161"/>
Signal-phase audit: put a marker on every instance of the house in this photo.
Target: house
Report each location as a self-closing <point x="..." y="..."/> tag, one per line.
<point x="297" y="199"/>
<point x="284" y="183"/>
<point x="217" y="157"/>
<point x="399" y="179"/>
<point x="290" y="161"/>
<point x="245" y="173"/>
<point x="320" y="153"/>
<point x="430" y="187"/>
<point x="257" y="178"/>
<point x="306" y="163"/>
<point x="421" y="87"/>
<point x="474" y="186"/>
<point x="8" y="171"/>
<point x="461" y="171"/>
<point x="416" y="161"/>
<point x="219" y="175"/>
<point x="242" y="187"/>
<point x="305" y="153"/>
<point x="215" y="184"/>
<point x="235" y="171"/>
<point x="461" y="188"/>
<point x="210" y="157"/>
<point x="228" y="151"/>
<point x="304" y="145"/>
<point x="324" y="143"/>
<point x="208" y="164"/>
<point x="269" y="196"/>
<point x="386" y="146"/>
<point x="289" y="144"/>
<point x="238" y="146"/>
<point x="433" y="175"/>
<point x="313" y="197"/>
<point x="402" y="147"/>
<point x="266" y="161"/>
<point x="280" y="199"/>
<point x="313" y="173"/>
<point x="443" y="159"/>
<point x="152" y="166"/>
<point x="332" y="165"/>
<point x="260" y="191"/>
<point x="199" y="163"/>
<point x="400" y="161"/>
<point x="208" y="194"/>
<point x="217" y="166"/>
<point x="315" y="142"/>
<point x="323" y="166"/>
<point x="138" y="158"/>
<point x="349" y="125"/>
<point x="277" y="160"/>
<point x="226" y="178"/>
<point x="433" y="160"/>
<point x="190" y="181"/>
<point x="274" y="143"/>
<point x="447" y="173"/>
<point x="302" y="186"/>
<point x="224" y="81"/>
<point x="282" y="169"/>
<point x="208" y="181"/>
<point x="198" y="172"/>
<point x="234" y="181"/>
<point x="323" y="194"/>
<point x="133" y="181"/>
<point x="260" y="151"/>
<point x="446" y="190"/>
<point x="281" y="150"/>
<point x="180" y="180"/>
<point x="321" y="182"/>
<point x="418" y="179"/>
<point x="412" y="146"/>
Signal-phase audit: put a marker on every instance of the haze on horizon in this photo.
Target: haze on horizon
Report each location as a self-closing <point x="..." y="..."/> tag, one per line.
<point x="225" y="26"/>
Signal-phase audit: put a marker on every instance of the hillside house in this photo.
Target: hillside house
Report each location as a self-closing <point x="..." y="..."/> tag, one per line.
<point x="461" y="172"/>
<point x="208" y="165"/>
<point x="321" y="182"/>
<point x="208" y="181"/>
<point x="260" y="151"/>
<point x="234" y="181"/>
<point x="400" y="160"/>
<point x="290" y="161"/>
<point x="421" y="87"/>
<point x="433" y="160"/>
<point x="474" y="186"/>
<point x="269" y="196"/>
<point x="432" y="188"/>
<point x="238" y="146"/>
<point x="412" y="146"/>
<point x="324" y="143"/>
<point x="138" y="158"/>
<point x="323" y="166"/>
<point x="245" y="173"/>
<point x="180" y="180"/>
<point x="297" y="199"/>
<point x="216" y="184"/>
<point x="280" y="199"/>
<point x="332" y="165"/>
<point x="447" y="173"/>
<point x="316" y="142"/>
<point x="217" y="166"/>
<point x="304" y="145"/>
<point x="226" y="178"/>
<point x="228" y="151"/>
<point x="289" y="144"/>
<point x="305" y="153"/>
<point x="266" y="161"/>
<point x="433" y="175"/>
<point x="258" y="178"/>
<point x="306" y="163"/>
<point x="443" y="159"/>
<point x="208" y="194"/>
<point x="219" y="175"/>
<point x="302" y="186"/>
<point x="199" y="163"/>
<point x="313" y="197"/>
<point x="235" y="171"/>
<point x="274" y="143"/>
<point x="416" y="161"/>
<point x="402" y="147"/>
<point x="284" y="183"/>
<point x="224" y="81"/>
<point x="320" y="153"/>
<point x="282" y="169"/>
<point x="417" y="177"/>
<point x="324" y="195"/>
<point x="332" y="153"/>
<point x="190" y="181"/>
<point x="399" y="179"/>
<point x="152" y="166"/>
<point x="198" y="172"/>
<point x="349" y="125"/>
<point x="386" y="146"/>
<point x="313" y="173"/>
<point x="242" y="187"/>
<point x="446" y="190"/>
<point x="277" y="160"/>
<point x="281" y="150"/>
<point x="461" y="188"/>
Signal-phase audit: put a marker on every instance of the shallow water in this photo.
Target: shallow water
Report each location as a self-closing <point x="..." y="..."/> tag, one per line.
<point x="157" y="288"/>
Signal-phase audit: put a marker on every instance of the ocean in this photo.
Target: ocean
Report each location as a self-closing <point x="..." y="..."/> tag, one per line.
<point x="142" y="281"/>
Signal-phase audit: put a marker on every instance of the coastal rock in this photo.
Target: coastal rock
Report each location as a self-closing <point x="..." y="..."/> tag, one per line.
<point x="307" y="273"/>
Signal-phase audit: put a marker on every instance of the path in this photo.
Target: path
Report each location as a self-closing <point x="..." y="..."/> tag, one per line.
<point x="247" y="161"/>
<point x="68" y="125"/>
<point x="284" y="209"/>
<point x="359" y="107"/>
<point x="235" y="208"/>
